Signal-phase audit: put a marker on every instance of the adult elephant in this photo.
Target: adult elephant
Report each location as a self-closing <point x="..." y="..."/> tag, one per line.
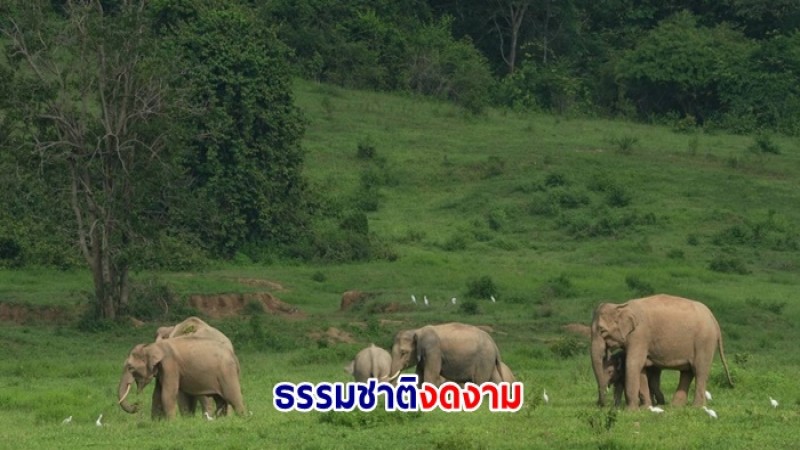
<point x="455" y="351"/>
<point x="185" y="366"/>
<point x="672" y="332"/>
<point x="371" y="362"/>
<point x="193" y="327"/>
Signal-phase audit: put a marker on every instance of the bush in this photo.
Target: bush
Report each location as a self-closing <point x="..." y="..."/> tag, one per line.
<point x="152" y="299"/>
<point x="442" y="67"/>
<point x="762" y="143"/>
<point x="639" y="286"/>
<point x="568" y="347"/>
<point x="728" y="265"/>
<point x="558" y="287"/>
<point x="366" y="150"/>
<point x="481" y="288"/>
<point x="470" y="307"/>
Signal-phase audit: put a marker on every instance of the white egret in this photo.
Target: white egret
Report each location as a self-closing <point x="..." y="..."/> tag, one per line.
<point x="208" y="416"/>
<point x="656" y="409"/>
<point x="493" y="300"/>
<point x="453" y="300"/>
<point x="97" y="422"/>
<point x="66" y="421"/>
<point x="545" y="397"/>
<point x="710" y="412"/>
<point x="773" y="402"/>
<point x="708" y="395"/>
<point x="425" y="299"/>
<point x="413" y="299"/>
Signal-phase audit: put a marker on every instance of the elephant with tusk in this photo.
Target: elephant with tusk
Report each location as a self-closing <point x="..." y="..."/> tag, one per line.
<point x="453" y="351"/>
<point x="183" y="368"/>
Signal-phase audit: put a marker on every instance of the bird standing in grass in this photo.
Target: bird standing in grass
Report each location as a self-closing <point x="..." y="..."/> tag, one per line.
<point x="66" y="421"/>
<point x="208" y="416"/>
<point x="98" y="421"/>
<point x="656" y="409"/>
<point x="413" y="299"/>
<point x="493" y="299"/>
<point x="545" y="397"/>
<point x="711" y="413"/>
<point x="453" y="300"/>
<point x="773" y="402"/>
<point x="425" y="299"/>
<point x="708" y="395"/>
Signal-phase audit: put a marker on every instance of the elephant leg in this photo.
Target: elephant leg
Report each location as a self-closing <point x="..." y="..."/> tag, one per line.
<point x="169" y="396"/>
<point x="187" y="404"/>
<point x="682" y="393"/>
<point x="205" y="404"/>
<point x="644" y="390"/>
<point x="619" y="388"/>
<point x="634" y="367"/>
<point x="654" y="382"/>
<point x="157" y="408"/>
<point x="701" y="378"/>
<point x="222" y="406"/>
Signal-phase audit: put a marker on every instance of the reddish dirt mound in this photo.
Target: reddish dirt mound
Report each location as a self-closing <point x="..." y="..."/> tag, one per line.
<point x="333" y="335"/>
<point x="21" y="313"/>
<point x="227" y="305"/>
<point x="578" y="328"/>
<point x="352" y="298"/>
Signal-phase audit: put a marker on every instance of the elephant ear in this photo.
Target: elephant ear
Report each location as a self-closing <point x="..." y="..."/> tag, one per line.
<point x="627" y="322"/>
<point x="155" y="355"/>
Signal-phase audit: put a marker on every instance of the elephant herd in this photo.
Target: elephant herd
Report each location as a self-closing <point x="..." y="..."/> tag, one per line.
<point x="631" y="343"/>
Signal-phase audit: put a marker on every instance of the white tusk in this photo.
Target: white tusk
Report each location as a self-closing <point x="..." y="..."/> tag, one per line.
<point x="126" y="394"/>
<point x="391" y="377"/>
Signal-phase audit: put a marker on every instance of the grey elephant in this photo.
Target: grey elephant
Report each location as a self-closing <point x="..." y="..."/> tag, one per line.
<point x="672" y="332"/>
<point x="371" y="362"/>
<point x="455" y="351"/>
<point x="182" y="367"/>
<point x="506" y="374"/>
<point x="197" y="328"/>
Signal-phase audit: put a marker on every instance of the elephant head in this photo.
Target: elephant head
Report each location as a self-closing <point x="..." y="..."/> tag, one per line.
<point x="404" y="352"/>
<point x="611" y="326"/>
<point x="141" y="367"/>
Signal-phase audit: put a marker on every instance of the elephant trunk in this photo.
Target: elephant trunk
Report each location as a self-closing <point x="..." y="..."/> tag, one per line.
<point x="125" y="383"/>
<point x="599" y="354"/>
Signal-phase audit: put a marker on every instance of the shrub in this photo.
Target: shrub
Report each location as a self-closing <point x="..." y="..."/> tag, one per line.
<point x="366" y="150"/>
<point x="728" y="265"/>
<point x="568" y="347"/>
<point x="470" y="307"/>
<point x="481" y="288"/>
<point x="626" y="144"/>
<point x="762" y="143"/>
<point x="558" y="287"/>
<point x="639" y="286"/>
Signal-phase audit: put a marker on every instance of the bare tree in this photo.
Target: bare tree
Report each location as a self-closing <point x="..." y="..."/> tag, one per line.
<point x="90" y="105"/>
<point x="511" y="15"/>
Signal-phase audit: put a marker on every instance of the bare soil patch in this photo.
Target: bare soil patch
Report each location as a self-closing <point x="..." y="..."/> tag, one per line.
<point x="226" y="305"/>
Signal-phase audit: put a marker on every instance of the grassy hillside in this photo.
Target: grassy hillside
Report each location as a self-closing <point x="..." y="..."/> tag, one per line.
<point x="556" y="214"/>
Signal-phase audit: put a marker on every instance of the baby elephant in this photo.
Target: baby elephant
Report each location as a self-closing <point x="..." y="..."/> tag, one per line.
<point x="371" y="362"/>
<point x="649" y="386"/>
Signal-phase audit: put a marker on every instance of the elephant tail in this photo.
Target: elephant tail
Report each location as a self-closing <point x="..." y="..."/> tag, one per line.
<point x="722" y="357"/>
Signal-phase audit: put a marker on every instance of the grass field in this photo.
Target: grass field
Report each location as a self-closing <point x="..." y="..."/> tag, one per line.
<point x="557" y="213"/>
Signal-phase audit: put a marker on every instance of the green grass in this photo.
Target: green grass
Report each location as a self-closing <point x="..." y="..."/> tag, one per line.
<point x="559" y="213"/>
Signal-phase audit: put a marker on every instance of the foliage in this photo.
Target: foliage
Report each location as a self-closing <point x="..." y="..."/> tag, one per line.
<point x="483" y="287"/>
<point x="688" y="60"/>
<point x="243" y="133"/>
<point x="443" y="67"/>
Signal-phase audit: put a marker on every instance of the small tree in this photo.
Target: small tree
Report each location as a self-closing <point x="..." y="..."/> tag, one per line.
<point x="87" y="103"/>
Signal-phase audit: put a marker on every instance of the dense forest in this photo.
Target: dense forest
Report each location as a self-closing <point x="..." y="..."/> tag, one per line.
<point x="163" y="134"/>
